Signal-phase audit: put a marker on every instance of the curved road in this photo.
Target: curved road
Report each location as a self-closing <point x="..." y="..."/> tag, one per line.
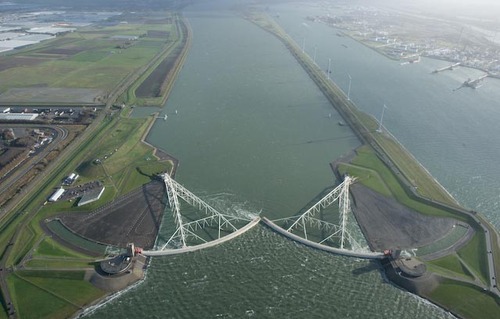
<point x="15" y="174"/>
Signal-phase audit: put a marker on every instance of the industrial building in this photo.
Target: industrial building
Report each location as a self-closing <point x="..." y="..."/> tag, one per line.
<point x="56" y="195"/>
<point x="91" y="196"/>
<point x="71" y="179"/>
<point x="18" y="116"/>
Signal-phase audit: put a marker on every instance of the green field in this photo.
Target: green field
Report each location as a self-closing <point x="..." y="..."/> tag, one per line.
<point x="51" y="294"/>
<point x="450" y="266"/>
<point x="466" y="300"/>
<point x="91" y="57"/>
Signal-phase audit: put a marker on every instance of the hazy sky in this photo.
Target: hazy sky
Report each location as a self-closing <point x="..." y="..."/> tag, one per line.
<point x="481" y="9"/>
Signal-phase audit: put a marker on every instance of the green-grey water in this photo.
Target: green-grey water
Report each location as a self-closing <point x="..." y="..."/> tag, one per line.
<point x="254" y="134"/>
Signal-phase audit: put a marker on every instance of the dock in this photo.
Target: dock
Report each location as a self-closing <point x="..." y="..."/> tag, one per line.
<point x="449" y="67"/>
<point x="473" y="83"/>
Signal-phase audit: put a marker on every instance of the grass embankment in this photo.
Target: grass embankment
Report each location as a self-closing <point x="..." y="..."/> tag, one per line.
<point x="154" y="86"/>
<point x="401" y="173"/>
<point x="450" y="266"/>
<point x="466" y="300"/>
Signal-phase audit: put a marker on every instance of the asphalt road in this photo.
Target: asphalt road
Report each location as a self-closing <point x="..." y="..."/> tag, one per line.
<point x="16" y="174"/>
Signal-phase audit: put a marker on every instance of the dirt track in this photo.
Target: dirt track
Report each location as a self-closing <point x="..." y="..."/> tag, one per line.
<point x="133" y="218"/>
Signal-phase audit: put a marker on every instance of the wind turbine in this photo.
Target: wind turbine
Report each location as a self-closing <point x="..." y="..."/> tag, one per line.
<point x="381" y="119"/>
<point x="349" y="89"/>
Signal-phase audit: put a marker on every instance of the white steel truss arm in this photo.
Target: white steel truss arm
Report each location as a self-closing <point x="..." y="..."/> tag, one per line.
<point x="176" y="209"/>
<point x="326" y="201"/>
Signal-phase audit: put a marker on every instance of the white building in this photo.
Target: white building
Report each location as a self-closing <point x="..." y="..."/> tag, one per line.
<point x="91" y="197"/>
<point x="18" y="116"/>
<point x="56" y="195"/>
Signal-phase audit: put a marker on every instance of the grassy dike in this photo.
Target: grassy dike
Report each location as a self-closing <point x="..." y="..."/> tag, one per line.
<point x="410" y="183"/>
<point x="174" y="52"/>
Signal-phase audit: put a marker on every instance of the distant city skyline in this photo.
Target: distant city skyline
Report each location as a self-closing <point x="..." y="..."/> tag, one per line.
<point x="482" y="9"/>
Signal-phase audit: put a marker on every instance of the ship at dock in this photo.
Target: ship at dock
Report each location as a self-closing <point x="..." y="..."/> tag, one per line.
<point x="449" y="67"/>
<point x="473" y="83"/>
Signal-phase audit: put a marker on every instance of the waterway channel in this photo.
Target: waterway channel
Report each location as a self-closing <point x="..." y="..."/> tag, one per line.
<point x="254" y="135"/>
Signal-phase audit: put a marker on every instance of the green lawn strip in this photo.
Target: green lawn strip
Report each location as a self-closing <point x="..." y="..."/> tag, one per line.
<point x="41" y="74"/>
<point x="120" y="177"/>
<point x="451" y="266"/>
<point x="141" y="174"/>
<point x="67" y="285"/>
<point x="473" y="255"/>
<point x="367" y="177"/>
<point x="89" y="171"/>
<point x="3" y="310"/>
<point x="132" y="179"/>
<point x="23" y="245"/>
<point x="58" y="264"/>
<point x="33" y="302"/>
<point x="131" y="148"/>
<point x="7" y="232"/>
<point x="466" y="300"/>
<point x="90" y="56"/>
<point x="416" y="174"/>
<point x="51" y="248"/>
<point x="454" y="235"/>
<point x="367" y="158"/>
<point x="121" y="137"/>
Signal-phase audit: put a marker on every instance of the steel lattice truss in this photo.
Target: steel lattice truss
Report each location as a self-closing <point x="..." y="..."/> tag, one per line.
<point x="188" y="229"/>
<point x="341" y="195"/>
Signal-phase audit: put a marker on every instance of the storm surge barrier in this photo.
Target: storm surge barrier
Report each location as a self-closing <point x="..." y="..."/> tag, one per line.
<point x="189" y="230"/>
<point x="338" y="233"/>
<point x="186" y="231"/>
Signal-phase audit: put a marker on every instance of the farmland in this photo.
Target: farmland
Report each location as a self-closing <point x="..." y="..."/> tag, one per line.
<point x="96" y="57"/>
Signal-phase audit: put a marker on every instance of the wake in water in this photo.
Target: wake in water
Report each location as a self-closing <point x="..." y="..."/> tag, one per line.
<point x="229" y="204"/>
